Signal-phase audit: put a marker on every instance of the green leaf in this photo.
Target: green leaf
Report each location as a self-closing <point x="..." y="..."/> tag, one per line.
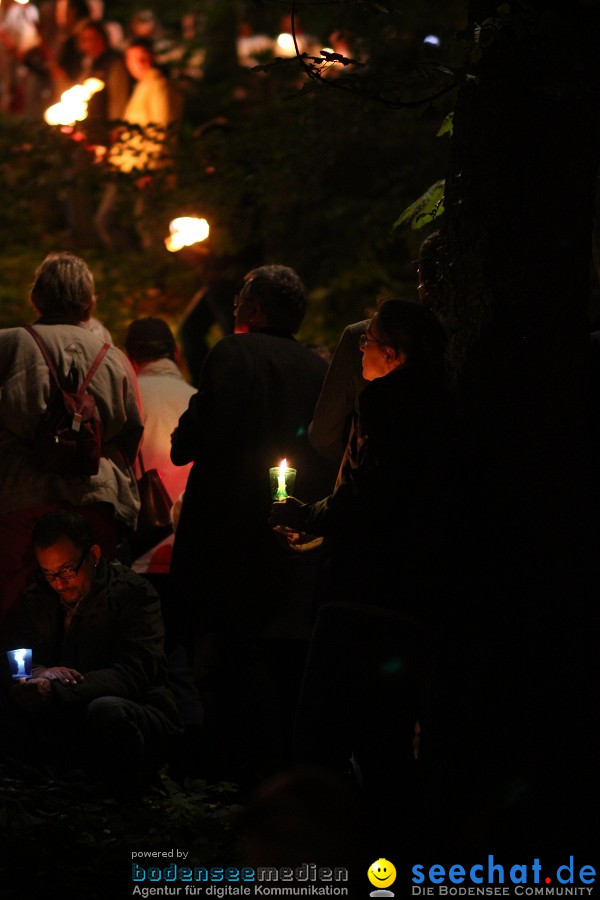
<point x="429" y="206"/>
<point x="447" y="126"/>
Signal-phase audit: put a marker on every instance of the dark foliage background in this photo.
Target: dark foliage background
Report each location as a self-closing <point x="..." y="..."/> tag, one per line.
<point x="294" y="170"/>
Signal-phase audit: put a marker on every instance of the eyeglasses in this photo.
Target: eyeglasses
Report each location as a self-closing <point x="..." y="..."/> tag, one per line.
<point x="66" y="573"/>
<point x="241" y="298"/>
<point x="365" y="339"/>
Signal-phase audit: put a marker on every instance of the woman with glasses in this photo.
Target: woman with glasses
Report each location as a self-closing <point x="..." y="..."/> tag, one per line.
<point x="381" y="586"/>
<point x="385" y="506"/>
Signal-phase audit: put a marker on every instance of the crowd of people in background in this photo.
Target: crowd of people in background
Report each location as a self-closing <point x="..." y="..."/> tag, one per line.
<point x="287" y="640"/>
<point x="49" y="47"/>
<point x="198" y="651"/>
<point x="42" y="52"/>
<point x="205" y="650"/>
<point x="260" y="632"/>
<point x="123" y="145"/>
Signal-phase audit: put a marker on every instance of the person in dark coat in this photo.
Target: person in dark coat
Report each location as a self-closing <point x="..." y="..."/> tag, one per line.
<point x="384" y="579"/>
<point x="386" y="505"/>
<point x="256" y="396"/>
<point x="98" y="696"/>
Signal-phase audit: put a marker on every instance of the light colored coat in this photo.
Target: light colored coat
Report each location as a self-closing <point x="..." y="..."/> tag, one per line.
<point x="153" y="106"/>
<point x="25" y="384"/>
<point x="165" y="397"/>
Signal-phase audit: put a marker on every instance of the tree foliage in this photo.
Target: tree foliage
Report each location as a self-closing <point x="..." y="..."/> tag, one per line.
<point x="285" y="167"/>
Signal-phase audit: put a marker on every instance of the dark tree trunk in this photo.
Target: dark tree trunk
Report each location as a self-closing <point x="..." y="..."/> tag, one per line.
<point x="519" y="215"/>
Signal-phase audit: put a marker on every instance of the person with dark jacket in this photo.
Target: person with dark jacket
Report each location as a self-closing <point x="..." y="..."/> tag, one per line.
<point x="254" y="403"/>
<point x="256" y="396"/>
<point x="100" y="60"/>
<point x="387" y="505"/>
<point x="98" y="695"/>
<point x="365" y="698"/>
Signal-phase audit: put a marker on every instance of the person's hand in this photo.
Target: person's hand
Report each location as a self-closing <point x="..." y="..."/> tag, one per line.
<point x="64" y="674"/>
<point x="32" y="694"/>
<point x="286" y="512"/>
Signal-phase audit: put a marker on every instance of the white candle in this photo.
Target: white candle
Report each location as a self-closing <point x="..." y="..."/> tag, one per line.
<point x="20" y="661"/>
<point x="281" y="490"/>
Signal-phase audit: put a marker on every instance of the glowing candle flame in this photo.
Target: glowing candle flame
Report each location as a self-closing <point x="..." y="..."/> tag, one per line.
<point x="185" y="231"/>
<point x="281" y="489"/>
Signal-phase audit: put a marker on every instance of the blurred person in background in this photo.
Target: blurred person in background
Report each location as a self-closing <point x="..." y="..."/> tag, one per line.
<point x="140" y="150"/>
<point x="165" y="394"/>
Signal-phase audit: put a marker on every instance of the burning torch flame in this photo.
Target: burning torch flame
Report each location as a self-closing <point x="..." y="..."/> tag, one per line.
<point x="185" y="231"/>
<point x="73" y="103"/>
<point x="285" y="44"/>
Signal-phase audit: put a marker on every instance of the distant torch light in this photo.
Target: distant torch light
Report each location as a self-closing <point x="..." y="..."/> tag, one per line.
<point x="185" y="231"/>
<point x="285" y="43"/>
<point x="75" y="94"/>
<point x="73" y="103"/>
<point x="432" y="39"/>
<point x="53" y="115"/>
<point x="93" y="85"/>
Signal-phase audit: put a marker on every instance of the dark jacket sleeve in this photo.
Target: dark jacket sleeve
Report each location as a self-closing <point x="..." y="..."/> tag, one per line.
<point x="212" y="419"/>
<point x="184" y="440"/>
<point x="137" y="658"/>
<point x="329" y="515"/>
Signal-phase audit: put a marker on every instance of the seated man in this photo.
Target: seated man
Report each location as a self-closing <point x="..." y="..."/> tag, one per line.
<point x="98" y="695"/>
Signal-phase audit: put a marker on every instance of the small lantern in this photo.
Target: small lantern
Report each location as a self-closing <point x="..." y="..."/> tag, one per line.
<point x="282" y="479"/>
<point x="19" y="662"/>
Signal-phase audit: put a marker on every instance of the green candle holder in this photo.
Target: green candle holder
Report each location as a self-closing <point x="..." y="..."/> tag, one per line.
<point x="282" y="479"/>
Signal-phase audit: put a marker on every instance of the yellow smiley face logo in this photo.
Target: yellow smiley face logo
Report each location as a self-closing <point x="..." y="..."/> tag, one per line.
<point x="382" y="873"/>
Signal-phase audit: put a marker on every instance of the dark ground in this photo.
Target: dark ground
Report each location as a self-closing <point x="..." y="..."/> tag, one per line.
<point x="65" y="839"/>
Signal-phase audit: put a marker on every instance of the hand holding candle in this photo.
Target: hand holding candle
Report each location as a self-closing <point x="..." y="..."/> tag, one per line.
<point x="286" y="514"/>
